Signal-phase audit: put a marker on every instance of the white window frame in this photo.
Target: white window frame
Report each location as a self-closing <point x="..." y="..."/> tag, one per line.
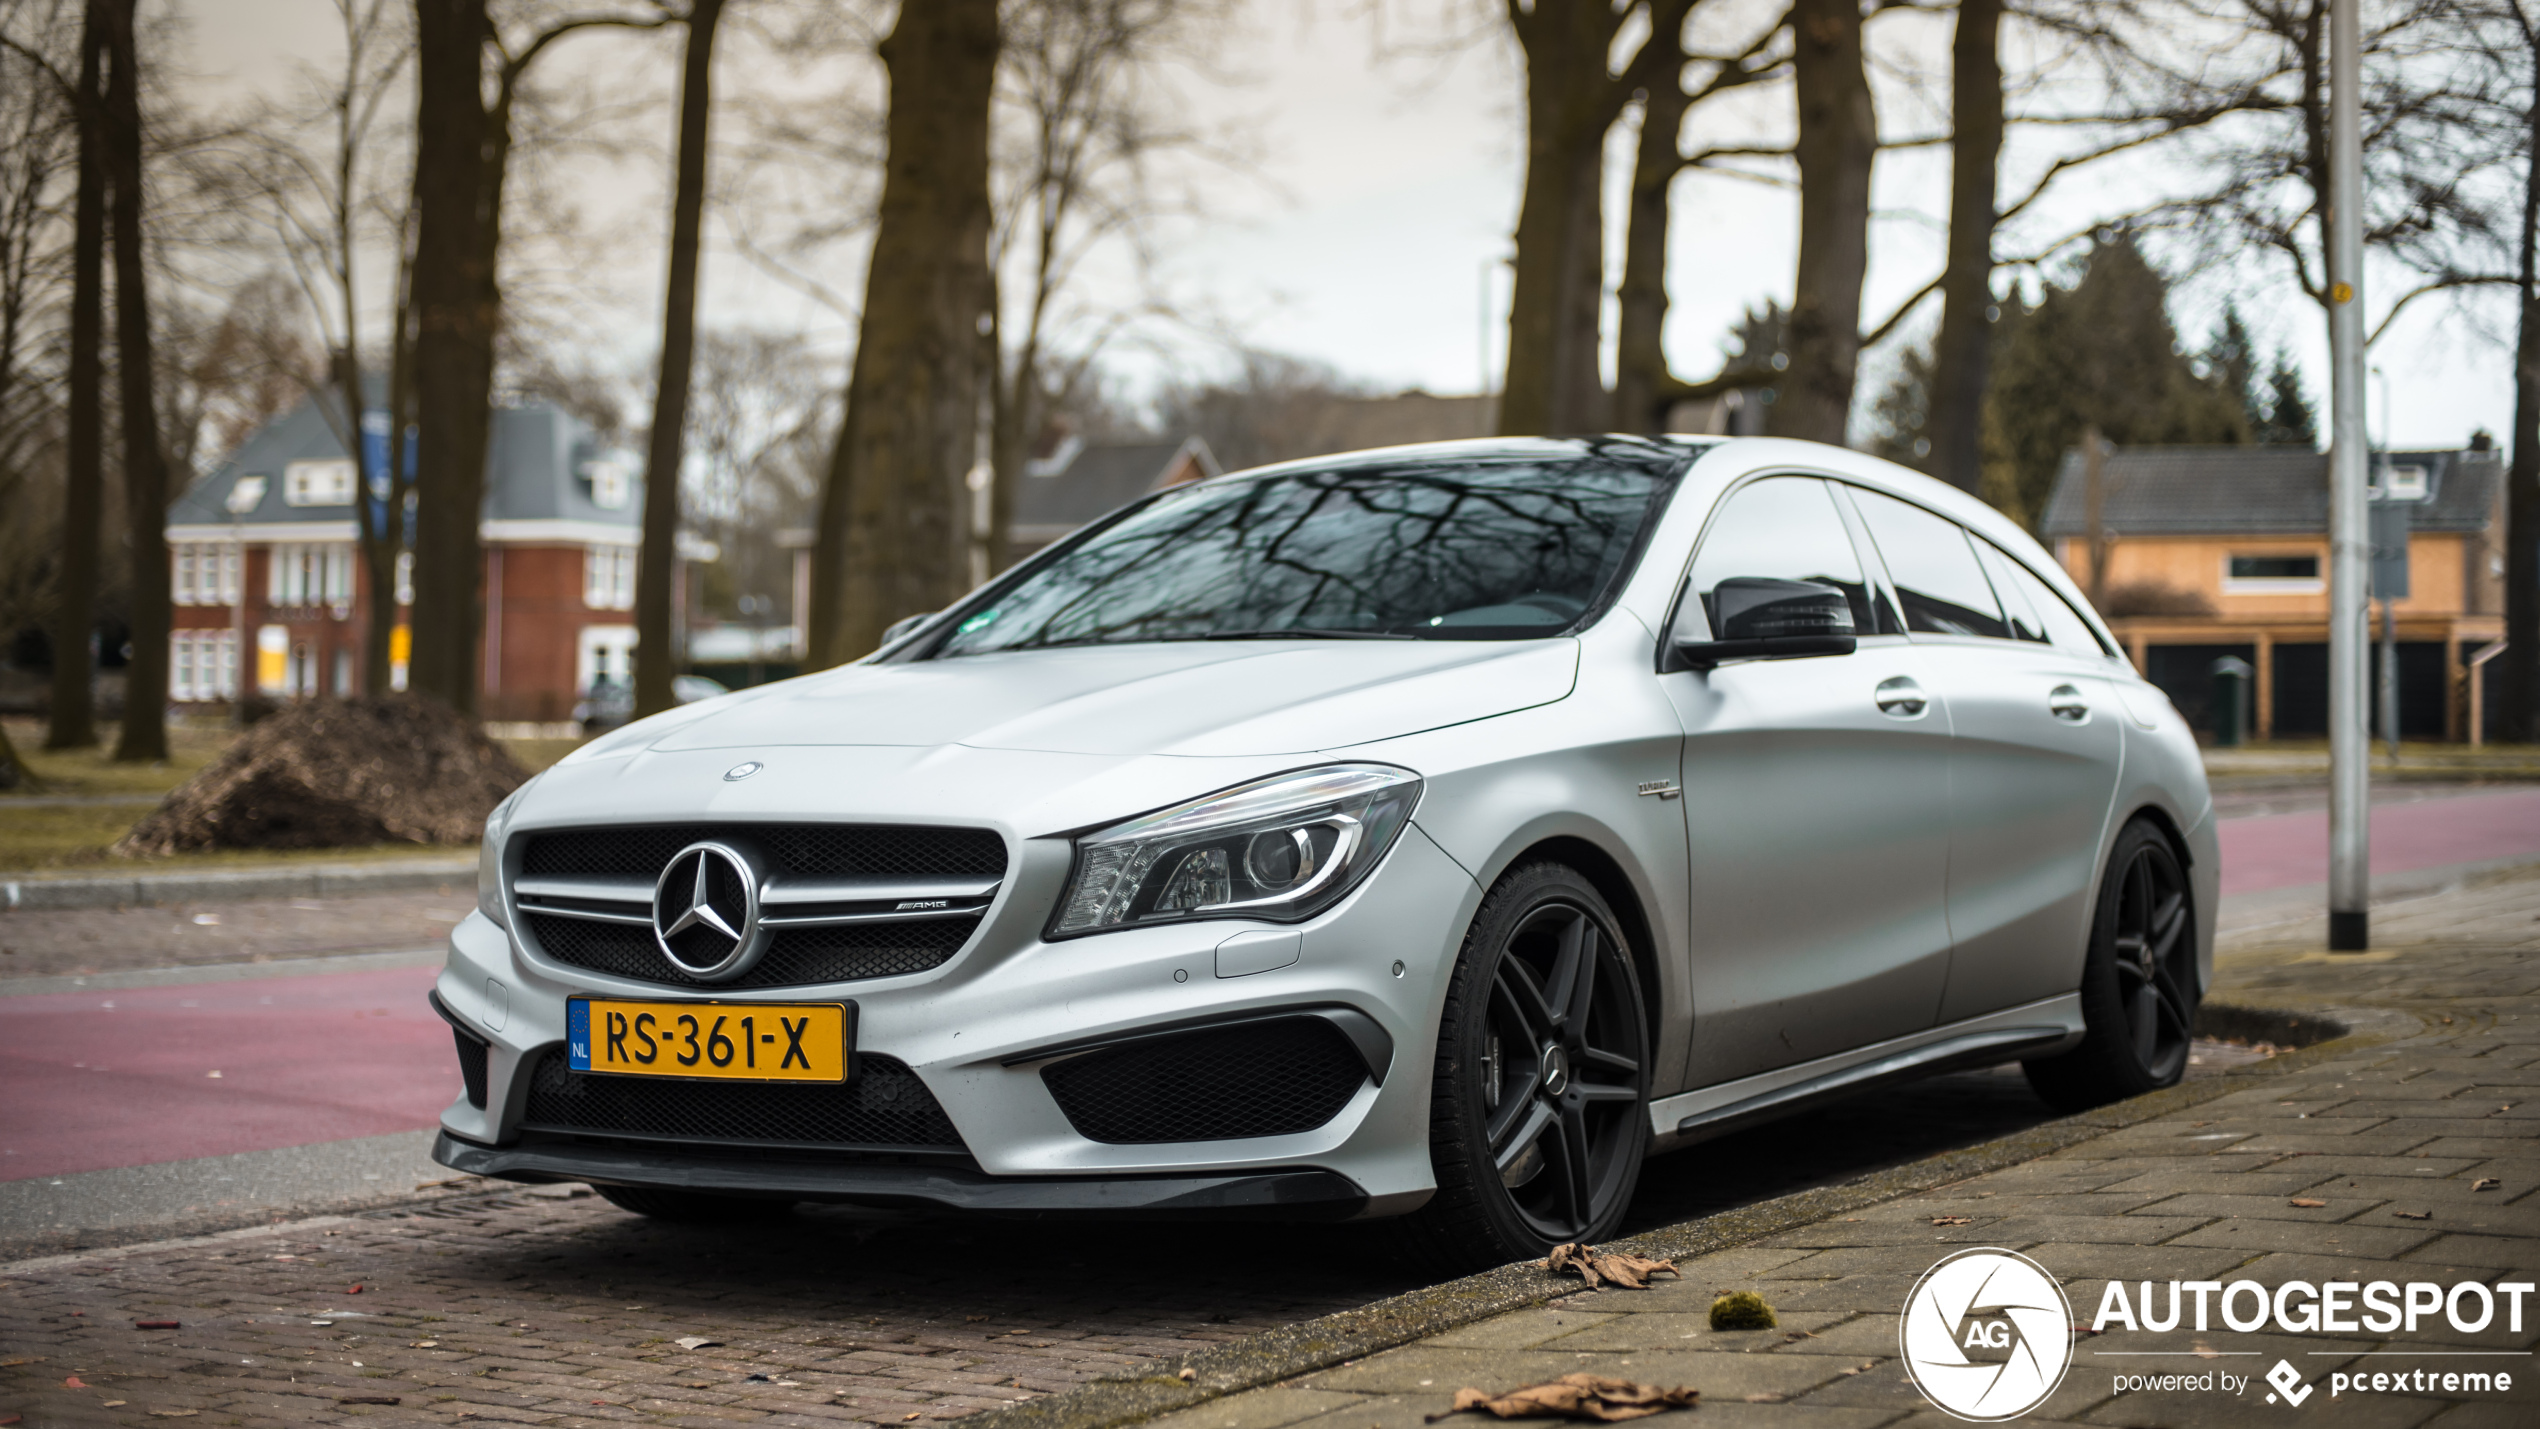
<point x="318" y="483"/>
<point x="608" y="577"/>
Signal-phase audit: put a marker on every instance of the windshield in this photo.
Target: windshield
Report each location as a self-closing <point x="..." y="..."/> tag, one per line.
<point x="1472" y="550"/>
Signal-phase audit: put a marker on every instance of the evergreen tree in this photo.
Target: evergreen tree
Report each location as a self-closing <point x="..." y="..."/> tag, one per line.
<point x="2289" y="421"/>
<point x="2231" y="364"/>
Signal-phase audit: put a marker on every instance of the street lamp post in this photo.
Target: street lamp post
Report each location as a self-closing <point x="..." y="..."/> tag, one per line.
<point x="2349" y="539"/>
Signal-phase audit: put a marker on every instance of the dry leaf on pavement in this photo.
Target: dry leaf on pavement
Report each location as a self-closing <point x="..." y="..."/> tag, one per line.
<point x="1951" y="1221"/>
<point x="2307" y="1203"/>
<point x="2486" y="1183"/>
<point x="2414" y="1215"/>
<point x="1576" y="1396"/>
<point x="1593" y="1265"/>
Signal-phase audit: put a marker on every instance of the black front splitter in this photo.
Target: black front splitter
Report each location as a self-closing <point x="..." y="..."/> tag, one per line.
<point x="1303" y="1193"/>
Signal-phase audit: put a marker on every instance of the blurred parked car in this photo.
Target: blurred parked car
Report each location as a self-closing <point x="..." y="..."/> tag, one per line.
<point x="608" y="704"/>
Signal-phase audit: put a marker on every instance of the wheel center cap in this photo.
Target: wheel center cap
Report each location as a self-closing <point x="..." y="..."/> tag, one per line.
<point x="1556" y="1070"/>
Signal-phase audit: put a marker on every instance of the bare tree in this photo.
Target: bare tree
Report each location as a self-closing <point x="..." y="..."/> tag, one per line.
<point x="892" y="539"/>
<point x="1959" y="373"/>
<point x="145" y="702"/>
<point x="2509" y="31"/>
<point x="73" y="723"/>
<point x="656" y="571"/>
<point x="1081" y="84"/>
<point x="469" y="75"/>
<point x="311" y="194"/>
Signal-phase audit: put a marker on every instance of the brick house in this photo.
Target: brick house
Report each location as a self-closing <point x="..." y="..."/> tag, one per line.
<point x="2215" y="551"/>
<point x="275" y="523"/>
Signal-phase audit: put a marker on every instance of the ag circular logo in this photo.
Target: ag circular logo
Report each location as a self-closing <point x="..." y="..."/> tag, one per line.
<point x="705" y="912"/>
<point x="1987" y="1334"/>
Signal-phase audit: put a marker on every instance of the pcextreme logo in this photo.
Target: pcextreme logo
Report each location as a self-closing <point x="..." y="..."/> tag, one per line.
<point x="1987" y="1334"/>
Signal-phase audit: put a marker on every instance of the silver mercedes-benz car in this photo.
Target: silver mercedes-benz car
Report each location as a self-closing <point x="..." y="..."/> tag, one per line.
<point x="1434" y="832"/>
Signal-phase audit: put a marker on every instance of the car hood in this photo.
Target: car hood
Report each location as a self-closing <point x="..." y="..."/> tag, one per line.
<point x="1196" y="698"/>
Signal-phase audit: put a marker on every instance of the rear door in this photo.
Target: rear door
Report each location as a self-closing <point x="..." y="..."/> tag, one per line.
<point x="2036" y="744"/>
<point x="1816" y="804"/>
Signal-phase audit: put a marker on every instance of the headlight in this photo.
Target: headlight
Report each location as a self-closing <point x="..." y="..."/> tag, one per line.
<point x="1280" y="849"/>
<point x="489" y="857"/>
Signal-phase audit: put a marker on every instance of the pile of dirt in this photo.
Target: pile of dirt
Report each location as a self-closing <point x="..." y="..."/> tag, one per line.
<point x="337" y="773"/>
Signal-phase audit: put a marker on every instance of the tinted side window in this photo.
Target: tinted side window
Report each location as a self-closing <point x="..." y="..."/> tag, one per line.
<point x="1784" y="527"/>
<point x="1943" y="589"/>
<point x="2062" y="626"/>
<point x="2026" y="624"/>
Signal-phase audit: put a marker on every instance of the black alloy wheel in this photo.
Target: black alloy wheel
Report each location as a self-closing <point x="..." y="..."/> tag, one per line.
<point x="1539" y="1111"/>
<point x="2139" y="987"/>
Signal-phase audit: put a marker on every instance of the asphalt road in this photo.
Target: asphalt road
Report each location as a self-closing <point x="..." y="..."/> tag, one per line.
<point x="107" y="1078"/>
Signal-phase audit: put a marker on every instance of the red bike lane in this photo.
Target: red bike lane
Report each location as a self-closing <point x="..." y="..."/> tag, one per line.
<point x="108" y="1079"/>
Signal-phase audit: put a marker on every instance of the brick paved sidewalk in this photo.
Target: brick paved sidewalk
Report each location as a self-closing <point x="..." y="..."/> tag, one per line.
<point x="2393" y="1140"/>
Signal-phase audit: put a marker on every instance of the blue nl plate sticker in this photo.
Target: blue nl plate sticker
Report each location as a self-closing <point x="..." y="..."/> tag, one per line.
<point x="577" y="1033"/>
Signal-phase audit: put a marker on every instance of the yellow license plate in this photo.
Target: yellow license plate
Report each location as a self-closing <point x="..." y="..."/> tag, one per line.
<point x="725" y="1041"/>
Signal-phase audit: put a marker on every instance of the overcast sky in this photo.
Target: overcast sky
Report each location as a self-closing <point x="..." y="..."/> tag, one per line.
<point x="1370" y="233"/>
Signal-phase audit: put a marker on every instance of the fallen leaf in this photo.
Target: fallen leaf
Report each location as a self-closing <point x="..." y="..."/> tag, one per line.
<point x="2205" y="1351"/>
<point x="1188" y="1376"/>
<point x="74" y="1382"/>
<point x="1592" y="1265"/>
<point x="22" y="1359"/>
<point x="114" y="1404"/>
<point x="2485" y="1183"/>
<point x="1951" y="1221"/>
<point x="353" y="1290"/>
<point x="1576" y="1396"/>
<point x="2413" y="1215"/>
<point x="697" y="1342"/>
<point x="2307" y="1203"/>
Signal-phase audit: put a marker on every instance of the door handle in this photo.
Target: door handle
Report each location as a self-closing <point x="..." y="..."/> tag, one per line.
<point x="1901" y="698"/>
<point x="2065" y="703"/>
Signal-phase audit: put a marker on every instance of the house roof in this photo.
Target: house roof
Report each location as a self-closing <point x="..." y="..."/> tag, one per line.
<point x="2253" y="490"/>
<point x="540" y="466"/>
<point x="1097" y="480"/>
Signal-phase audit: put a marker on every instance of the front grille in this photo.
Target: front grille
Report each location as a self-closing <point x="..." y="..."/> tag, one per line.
<point x="1271" y="1078"/>
<point x="471" y="1067"/>
<point x="796" y="957"/>
<point x="802" y="850"/>
<point x="885" y="1108"/>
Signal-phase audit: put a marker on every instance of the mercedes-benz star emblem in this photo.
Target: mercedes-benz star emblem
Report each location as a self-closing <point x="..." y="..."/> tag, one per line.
<point x="742" y="771"/>
<point x="705" y="912"/>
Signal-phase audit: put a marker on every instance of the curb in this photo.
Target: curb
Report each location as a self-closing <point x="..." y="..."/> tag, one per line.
<point x="1292" y="1350"/>
<point x="316" y="880"/>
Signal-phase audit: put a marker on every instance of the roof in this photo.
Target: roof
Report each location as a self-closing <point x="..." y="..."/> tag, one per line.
<point x="542" y="464"/>
<point x="2256" y="490"/>
<point x="1096" y="480"/>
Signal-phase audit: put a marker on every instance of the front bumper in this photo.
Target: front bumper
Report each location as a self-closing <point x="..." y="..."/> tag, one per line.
<point x="1303" y="1193"/>
<point x="978" y="1030"/>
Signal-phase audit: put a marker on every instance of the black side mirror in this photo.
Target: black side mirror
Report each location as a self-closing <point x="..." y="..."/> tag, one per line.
<point x="1762" y="617"/>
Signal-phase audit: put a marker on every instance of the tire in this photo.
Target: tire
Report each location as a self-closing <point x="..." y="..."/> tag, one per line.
<point x="1539" y="1110"/>
<point x="2138" y="985"/>
<point x="691" y="1208"/>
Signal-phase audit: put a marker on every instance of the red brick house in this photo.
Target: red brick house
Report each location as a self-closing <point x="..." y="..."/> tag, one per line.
<point x="276" y="525"/>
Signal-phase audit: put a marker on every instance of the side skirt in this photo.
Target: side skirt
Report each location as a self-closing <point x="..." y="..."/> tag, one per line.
<point x="2048" y="1025"/>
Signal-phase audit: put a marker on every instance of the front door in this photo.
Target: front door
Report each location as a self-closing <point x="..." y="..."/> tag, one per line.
<point x="1816" y="800"/>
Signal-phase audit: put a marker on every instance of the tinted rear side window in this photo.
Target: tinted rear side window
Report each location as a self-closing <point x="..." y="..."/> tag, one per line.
<point x="1943" y="590"/>
<point x="2061" y="626"/>
<point x="1477" y="550"/>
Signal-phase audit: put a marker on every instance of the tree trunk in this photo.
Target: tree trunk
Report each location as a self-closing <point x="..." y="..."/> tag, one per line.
<point x="1838" y="139"/>
<point x="1013" y="416"/>
<point x="1552" y="383"/>
<point x="655" y="661"/>
<point x="1955" y="419"/>
<point x="145" y="462"/>
<point x="379" y="638"/>
<point x="454" y="336"/>
<point x="74" y="723"/>
<point x="2518" y="675"/>
<point x="894" y="533"/>
<point x="1644" y="390"/>
<point x="14" y="773"/>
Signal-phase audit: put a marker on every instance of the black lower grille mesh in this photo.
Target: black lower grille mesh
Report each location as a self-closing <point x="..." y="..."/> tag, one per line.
<point x="795" y="957"/>
<point x="885" y="1108"/>
<point x="1258" y="1079"/>
<point x="471" y="1067"/>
